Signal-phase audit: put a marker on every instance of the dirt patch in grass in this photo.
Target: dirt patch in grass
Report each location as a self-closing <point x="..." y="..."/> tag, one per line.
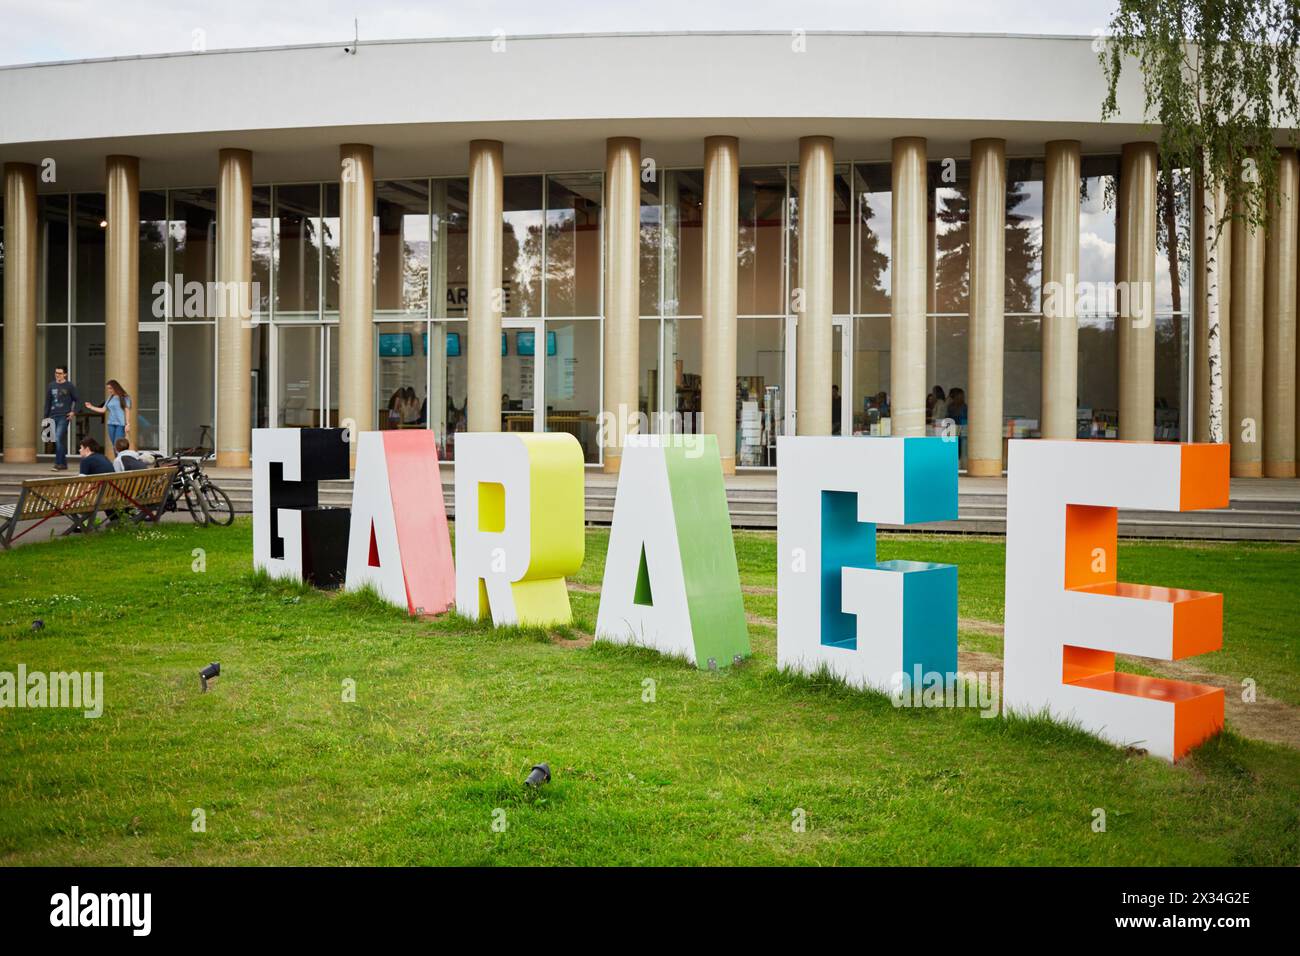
<point x="1267" y="719"/>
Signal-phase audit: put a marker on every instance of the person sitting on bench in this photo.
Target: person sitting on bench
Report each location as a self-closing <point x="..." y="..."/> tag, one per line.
<point x="127" y="460"/>
<point x="93" y="459"/>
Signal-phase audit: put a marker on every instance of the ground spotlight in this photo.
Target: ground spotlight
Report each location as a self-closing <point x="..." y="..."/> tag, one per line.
<point x="541" y="773"/>
<point x="209" y="673"/>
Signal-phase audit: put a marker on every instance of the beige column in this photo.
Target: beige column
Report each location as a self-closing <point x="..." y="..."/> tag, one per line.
<point x="1060" y="368"/>
<point x="1280" y="324"/>
<point x="721" y="221"/>
<point x="234" y="330"/>
<point x="357" y="287"/>
<point x="1201" y="317"/>
<point x="622" y="292"/>
<point x="814" y="299"/>
<point x="1135" y="275"/>
<point x="21" y="386"/>
<point x="907" y="313"/>
<point x="486" y="198"/>
<point x="1246" y="386"/>
<point x="988" y="215"/>
<point x="122" y="281"/>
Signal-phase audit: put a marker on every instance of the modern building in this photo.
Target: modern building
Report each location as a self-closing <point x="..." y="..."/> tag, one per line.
<point x="744" y="234"/>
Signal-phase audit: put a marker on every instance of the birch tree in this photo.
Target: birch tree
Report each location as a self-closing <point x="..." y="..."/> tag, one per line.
<point x="1220" y="80"/>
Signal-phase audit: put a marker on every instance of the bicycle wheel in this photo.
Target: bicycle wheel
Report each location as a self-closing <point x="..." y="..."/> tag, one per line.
<point x="217" y="502"/>
<point x="198" y="507"/>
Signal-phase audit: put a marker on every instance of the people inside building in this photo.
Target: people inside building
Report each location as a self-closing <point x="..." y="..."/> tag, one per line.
<point x="60" y="408"/>
<point x="835" y="410"/>
<point x="936" y="405"/>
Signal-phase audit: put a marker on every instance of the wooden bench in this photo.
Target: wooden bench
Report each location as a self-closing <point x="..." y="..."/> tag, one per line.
<point x="79" y="497"/>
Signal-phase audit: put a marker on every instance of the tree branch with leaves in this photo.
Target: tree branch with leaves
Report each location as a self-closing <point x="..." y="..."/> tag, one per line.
<point x="1220" y="79"/>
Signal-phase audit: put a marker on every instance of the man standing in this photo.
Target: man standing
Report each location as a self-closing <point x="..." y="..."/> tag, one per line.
<point x="61" y="400"/>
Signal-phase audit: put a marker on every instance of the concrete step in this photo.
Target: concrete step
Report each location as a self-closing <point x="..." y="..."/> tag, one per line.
<point x="1252" y="516"/>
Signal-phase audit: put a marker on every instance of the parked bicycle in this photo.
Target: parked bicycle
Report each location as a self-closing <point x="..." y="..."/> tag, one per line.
<point x="207" y="503"/>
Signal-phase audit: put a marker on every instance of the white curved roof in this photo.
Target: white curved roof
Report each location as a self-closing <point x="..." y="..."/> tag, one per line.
<point x="554" y="99"/>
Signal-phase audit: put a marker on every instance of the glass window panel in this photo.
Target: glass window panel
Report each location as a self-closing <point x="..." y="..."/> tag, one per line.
<point x="92" y="235"/>
<point x="1098" y="377"/>
<point x="1172" y="337"/>
<point x="263" y="253"/>
<point x="842" y="250"/>
<point x="573" y="253"/>
<point x="332" y="356"/>
<point x="191" y="381"/>
<point x="299" y="376"/>
<point x="1100" y="177"/>
<point x="402" y="246"/>
<point x="1024" y="235"/>
<point x="521" y="246"/>
<point x="331" y="231"/>
<point x="648" y="379"/>
<point x="54" y="258"/>
<point x="401" y="366"/>
<point x="651" y="240"/>
<point x="760" y="245"/>
<point x="947" y="368"/>
<point x="519" y="372"/>
<point x="88" y="373"/>
<point x="683" y="360"/>
<point x="683" y="238"/>
<point x="153" y="257"/>
<point x="573" y="365"/>
<point x="1173" y="241"/>
<point x="261" y="373"/>
<point x="194" y="249"/>
<point x="870" y="396"/>
<point x="297" y="251"/>
<point x="874" y="224"/>
<point x="448" y="382"/>
<point x="449" y="261"/>
<point x="760" y="380"/>
<point x="148" y="397"/>
<point x="51" y="352"/>
<point x="949" y="244"/>
<point x="1022" y="371"/>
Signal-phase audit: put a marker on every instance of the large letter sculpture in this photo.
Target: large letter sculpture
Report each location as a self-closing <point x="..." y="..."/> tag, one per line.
<point x="671" y="581"/>
<point x="871" y="623"/>
<point x="519" y="525"/>
<point x="399" y="542"/>
<point x="293" y="537"/>
<point x="1067" y="614"/>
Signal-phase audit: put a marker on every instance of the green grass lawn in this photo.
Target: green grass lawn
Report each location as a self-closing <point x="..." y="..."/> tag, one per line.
<point x="450" y="715"/>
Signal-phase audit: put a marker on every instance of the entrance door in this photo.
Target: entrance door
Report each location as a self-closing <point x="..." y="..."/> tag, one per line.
<point x="305" y="358"/>
<point x="523" y="385"/>
<point x="151" y="418"/>
<point x="841" y="371"/>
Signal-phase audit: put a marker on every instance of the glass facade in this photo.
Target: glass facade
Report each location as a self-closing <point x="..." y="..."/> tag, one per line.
<point x="552" y="273"/>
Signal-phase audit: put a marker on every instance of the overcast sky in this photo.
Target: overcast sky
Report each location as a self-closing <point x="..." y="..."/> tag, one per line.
<point x="34" y="31"/>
